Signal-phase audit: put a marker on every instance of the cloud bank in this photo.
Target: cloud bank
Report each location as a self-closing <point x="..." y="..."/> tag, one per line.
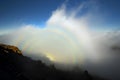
<point x="64" y="38"/>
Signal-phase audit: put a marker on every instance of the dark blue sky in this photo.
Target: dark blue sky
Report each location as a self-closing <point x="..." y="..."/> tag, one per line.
<point x="14" y="12"/>
<point x="111" y="11"/>
<point x="17" y="12"/>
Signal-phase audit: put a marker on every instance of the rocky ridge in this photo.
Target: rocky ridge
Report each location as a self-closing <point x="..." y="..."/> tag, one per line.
<point x="10" y="48"/>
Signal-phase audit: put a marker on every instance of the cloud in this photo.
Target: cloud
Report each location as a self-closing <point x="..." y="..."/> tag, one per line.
<point x="36" y="41"/>
<point x="63" y="36"/>
<point x="109" y="64"/>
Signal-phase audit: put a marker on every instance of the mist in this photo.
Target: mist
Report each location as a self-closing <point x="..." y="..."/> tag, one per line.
<point x="68" y="39"/>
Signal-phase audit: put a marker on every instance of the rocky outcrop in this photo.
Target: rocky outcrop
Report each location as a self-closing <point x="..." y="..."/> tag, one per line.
<point x="10" y="48"/>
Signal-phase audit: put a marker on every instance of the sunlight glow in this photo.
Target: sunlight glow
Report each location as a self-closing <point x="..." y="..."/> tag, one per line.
<point x="50" y="57"/>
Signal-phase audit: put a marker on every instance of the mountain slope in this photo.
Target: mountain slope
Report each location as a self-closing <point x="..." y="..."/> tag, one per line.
<point x="15" y="66"/>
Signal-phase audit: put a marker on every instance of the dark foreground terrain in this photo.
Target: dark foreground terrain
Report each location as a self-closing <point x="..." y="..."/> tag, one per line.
<point x="15" y="66"/>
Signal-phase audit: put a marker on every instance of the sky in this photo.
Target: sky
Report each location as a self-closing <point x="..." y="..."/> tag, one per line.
<point x="18" y="12"/>
<point x="70" y="32"/>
